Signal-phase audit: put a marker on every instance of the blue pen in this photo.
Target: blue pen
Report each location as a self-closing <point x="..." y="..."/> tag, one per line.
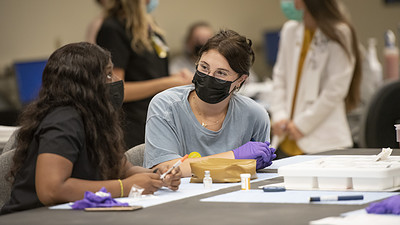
<point x="336" y="198"/>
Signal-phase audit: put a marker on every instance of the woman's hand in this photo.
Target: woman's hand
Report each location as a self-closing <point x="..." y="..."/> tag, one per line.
<point x="173" y="179"/>
<point x="151" y="182"/>
<point x="261" y="151"/>
<point x="293" y="132"/>
<point x="280" y="128"/>
<point x="183" y="77"/>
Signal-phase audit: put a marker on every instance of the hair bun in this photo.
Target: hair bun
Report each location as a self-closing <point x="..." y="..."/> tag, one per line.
<point x="249" y="42"/>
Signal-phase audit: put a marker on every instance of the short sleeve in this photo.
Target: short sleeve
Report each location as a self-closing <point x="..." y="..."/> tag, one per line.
<point x="161" y="142"/>
<point x="162" y="138"/>
<point x="261" y="126"/>
<point x="62" y="133"/>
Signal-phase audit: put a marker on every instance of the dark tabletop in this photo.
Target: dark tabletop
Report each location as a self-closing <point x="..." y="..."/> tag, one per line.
<point x="192" y="211"/>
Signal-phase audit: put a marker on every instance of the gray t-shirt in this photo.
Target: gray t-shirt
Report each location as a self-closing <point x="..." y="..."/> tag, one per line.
<point x="172" y="129"/>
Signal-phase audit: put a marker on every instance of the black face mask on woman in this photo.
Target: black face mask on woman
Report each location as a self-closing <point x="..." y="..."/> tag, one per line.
<point x="210" y="89"/>
<point x="116" y="90"/>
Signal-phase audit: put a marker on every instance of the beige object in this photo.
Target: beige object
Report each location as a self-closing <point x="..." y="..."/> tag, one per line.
<point x="245" y="177"/>
<point x="223" y="170"/>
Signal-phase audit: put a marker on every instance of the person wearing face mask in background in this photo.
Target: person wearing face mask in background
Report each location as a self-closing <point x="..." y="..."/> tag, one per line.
<point x="209" y="117"/>
<point x="316" y="79"/>
<point x="140" y="58"/>
<point x="197" y="35"/>
<point x="70" y="140"/>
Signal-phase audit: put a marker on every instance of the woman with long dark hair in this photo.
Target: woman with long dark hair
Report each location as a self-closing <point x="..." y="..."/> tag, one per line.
<point x="316" y="78"/>
<point x="70" y="140"/>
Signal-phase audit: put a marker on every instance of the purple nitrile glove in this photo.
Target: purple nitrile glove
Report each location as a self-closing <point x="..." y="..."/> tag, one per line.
<point x="101" y="198"/>
<point x="256" y="150"/>
<point x="263" y="164"/>
<point x="388" y="206"/>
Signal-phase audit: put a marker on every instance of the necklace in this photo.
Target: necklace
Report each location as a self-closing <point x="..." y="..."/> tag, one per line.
<point x="203" y="122"/>
<point x="206" y="124"/>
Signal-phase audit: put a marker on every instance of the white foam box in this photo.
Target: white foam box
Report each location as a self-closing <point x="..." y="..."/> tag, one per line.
<point x="343" y="172"/>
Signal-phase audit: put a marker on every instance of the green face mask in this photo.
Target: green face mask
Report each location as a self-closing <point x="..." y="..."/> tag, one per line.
<point x="290" y="10"/>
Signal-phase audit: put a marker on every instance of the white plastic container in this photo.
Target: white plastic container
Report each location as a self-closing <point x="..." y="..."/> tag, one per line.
<point x="300" y="182"/>
<point x="245" y="180"/>
<point x="352" y="172"/>
<point x="396" y="181"/>
<point x="335" y="183"/>
<point x="373" y="184"/>
<point x="207" y="180"/>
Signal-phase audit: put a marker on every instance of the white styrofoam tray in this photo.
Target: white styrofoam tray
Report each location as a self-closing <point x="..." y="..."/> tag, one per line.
<point x="343" y="172"/>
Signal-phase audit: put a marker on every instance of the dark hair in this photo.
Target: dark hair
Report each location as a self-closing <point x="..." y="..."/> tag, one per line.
<point x="234" y="47"/>
<point x="327" y="15"/>
<point x="75" y="75"/>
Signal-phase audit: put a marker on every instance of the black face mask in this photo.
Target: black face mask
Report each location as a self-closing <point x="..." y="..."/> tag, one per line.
<point x="116" y="90"/>
<point x="210" y="89"/>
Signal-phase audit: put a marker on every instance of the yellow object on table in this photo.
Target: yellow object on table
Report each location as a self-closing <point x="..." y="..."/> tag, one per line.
<point x="194" y="155"/>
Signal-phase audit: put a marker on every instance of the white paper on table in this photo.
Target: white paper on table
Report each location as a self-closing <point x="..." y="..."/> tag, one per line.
<point x="359" y="219"/>
<point x="294" y="159"/>
<point x="186" y="189"/>
<point x="301" y="197"/>
<point x="282" y="184"/>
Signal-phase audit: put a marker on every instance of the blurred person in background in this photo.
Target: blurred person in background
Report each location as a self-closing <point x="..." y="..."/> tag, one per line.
<point x="197" y="35"/>
<point x="140" y="57"/>
<point x="316" y="79"/>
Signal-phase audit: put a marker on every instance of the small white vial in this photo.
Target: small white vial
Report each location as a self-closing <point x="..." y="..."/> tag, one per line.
<point x="245" y="178"/>
<point x="207" y="180"/>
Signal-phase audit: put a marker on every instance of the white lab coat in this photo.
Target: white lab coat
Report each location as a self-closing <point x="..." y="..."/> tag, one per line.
<point x="327" y="72"/>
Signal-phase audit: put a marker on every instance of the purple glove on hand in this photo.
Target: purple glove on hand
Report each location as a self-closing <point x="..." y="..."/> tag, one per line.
<point x="387" y="206"/>
<point x="259" y="151"/>
<point x="101" y="198"/>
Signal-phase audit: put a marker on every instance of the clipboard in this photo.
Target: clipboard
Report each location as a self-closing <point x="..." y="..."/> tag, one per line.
<point x="116" y="208"/>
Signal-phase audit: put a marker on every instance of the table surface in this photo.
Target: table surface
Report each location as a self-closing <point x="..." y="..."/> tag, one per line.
<point x="192" y="211"/>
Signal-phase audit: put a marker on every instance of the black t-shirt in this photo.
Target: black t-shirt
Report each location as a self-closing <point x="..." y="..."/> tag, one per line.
<point x="138" y="67"/>
<point x="61" y="132"/>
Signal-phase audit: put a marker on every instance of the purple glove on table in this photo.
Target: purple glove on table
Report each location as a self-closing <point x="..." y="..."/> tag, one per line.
<point x="387" y="206"/>
<point x="259" y="151"/>
<point x="101" y="198"/>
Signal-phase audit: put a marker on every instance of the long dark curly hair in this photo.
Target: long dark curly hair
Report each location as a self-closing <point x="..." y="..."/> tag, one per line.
<point x="75" y="75"/>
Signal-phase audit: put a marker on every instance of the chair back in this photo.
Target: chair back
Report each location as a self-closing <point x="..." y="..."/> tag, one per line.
<point x="5" y="186"/>
<point x="382" y="113"/>
<point x="11" y="142"/>
<point x="135" y="155"/>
